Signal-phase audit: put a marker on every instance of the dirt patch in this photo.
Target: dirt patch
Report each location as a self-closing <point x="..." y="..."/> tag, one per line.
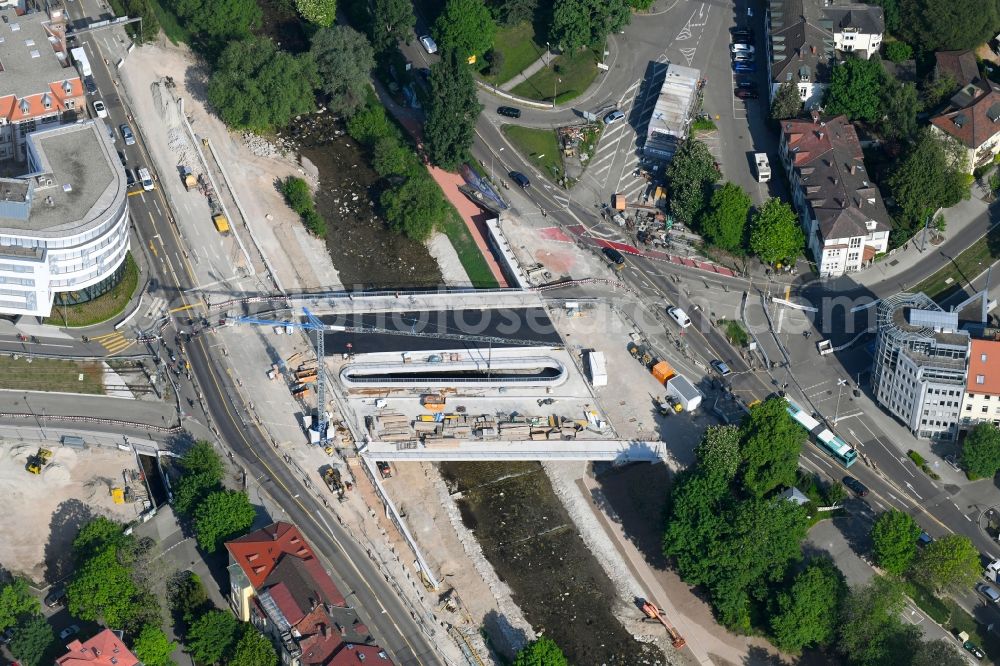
<point x="48" y="508"/>
<point x="282" y="24"/>
<point x="534" y="547"/>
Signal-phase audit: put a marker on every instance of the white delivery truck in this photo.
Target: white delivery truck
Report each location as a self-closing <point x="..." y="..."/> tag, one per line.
<point x="684" y="392"/>
<point x="762" y="167"/>
<point x="82" y="63"/>
<point x="597" y="366"/>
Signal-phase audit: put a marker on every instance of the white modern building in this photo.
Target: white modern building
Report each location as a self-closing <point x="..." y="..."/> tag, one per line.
<point x="919" y="373"/>
<point x="64" y="227"/>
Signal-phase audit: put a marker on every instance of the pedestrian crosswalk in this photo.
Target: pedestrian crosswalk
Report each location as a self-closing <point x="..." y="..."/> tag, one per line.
<point x="156" y="306"/>
<point x="115" y="342"/>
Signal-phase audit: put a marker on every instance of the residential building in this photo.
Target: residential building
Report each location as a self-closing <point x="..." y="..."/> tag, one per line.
<point x="981" y="402"/>
<point x="961" y="66"/>
<point x="843" y="215"/>
<point x="38" y="84"/>
<point x="973" y="119"/>
<point x="104" y="649"/>
<point x="671" y="119"/>
<point x="919" y="373"/>
<point x="278" y="583"/>
<point x="64" y="225"/>
<point x="803" y="37"/>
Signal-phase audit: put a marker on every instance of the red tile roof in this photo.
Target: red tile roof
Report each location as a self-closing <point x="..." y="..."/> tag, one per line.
<point x="13" y="109"/>
<point x="359" y="655"/>
<point x="104" y="649"/>
<point x="960" y="65"/>
<point x="975" y="124"/>
<point x="984" y="361"/>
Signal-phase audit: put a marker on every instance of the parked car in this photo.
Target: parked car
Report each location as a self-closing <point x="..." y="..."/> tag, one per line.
<point x="974" y="650"/>
<point x="743" y="56"/>
<point x="429" y="44"/>
<point x="100" y="109"/>
<point x="127" y="134"/>
<point x="989" y="592"/>
<point x="614" y="117"/>
<point x="743" y="93"/>
<point x="679" y="316"/>
<point x="130" y="178"/>
<point x="69" y="631"/>
<point x="860" y="489"/>
<point x="742" y="36"/>
<point x="615" y="257"/>
<point x="509" y="111"/>
<point x="55" y="597"/>
<point x="741" y="67"/>
<point x="741" y="48"/>
<point x="721" y="367"/>
<point x="520" y="179"/>
<point x="924" y="539"/>
<point x="121" y="157"/>
<point x="743" y="84"/>
<point x="88" y="83"/>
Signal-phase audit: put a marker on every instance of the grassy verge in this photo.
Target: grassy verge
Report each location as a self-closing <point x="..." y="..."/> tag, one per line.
<point x="518" y="49"/>
<point x="44" y="374"/>
<point x="978" y="633"/>
<point x="171" y="27"/>
<point x="966" y="266"/>
<point x="569" y="75"/>
<point x="101" y="308"/>
<point x="735" y="333"/>
<point x="539" y="147"/>
<point x="936" y="609"/>
<point x="473" y="261"/>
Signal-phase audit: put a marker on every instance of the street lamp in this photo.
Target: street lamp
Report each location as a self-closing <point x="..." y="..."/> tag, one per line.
<point x="840" y="390"/>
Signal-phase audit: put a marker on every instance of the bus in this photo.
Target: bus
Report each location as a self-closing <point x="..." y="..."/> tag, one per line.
<point x="843" y="452"/>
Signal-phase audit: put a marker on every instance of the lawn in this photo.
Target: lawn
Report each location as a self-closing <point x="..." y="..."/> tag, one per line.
<point x="566" y="78"/>
<point x="539" y="147"/>
<point x="519" y="49"/>
<point x="44" y="374"/>
<point x="468" y="252"/>
<point x="101" y="308"/>
<point x="966" y="266"/>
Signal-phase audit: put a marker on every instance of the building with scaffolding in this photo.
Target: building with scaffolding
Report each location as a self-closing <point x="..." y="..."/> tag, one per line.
<point x="920" y="364"/>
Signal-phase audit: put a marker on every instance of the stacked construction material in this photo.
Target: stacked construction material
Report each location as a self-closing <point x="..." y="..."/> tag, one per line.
<point x="392" y="427"/>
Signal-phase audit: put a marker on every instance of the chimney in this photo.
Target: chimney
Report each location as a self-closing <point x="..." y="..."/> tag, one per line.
<point x="813" y="49"/>
<point x="854" y="169"/>
<point x="815" y="116"/>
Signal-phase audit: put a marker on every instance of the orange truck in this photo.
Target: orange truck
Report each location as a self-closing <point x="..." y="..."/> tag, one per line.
<point x="663" y="371"/>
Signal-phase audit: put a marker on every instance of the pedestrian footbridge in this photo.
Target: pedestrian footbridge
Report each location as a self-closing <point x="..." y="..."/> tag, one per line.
<point x="618" y="451"/>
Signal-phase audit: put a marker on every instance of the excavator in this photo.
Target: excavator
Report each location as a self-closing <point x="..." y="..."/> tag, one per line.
<point x="335" y="483"/>
<point x="38" y="461"/>
<point x="654" y="613"/>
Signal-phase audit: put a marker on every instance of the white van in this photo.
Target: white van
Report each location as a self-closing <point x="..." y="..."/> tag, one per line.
<point x="146" y="179"/>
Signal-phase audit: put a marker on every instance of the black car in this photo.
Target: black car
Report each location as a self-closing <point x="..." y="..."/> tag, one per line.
<point x="130" y="178"/>
<point x="859" y="488"/>
<point x="121" y="156"/>
<point x="742" y="36"/>
<point x="520" y="179"/>
<point x="88" y="83"/>
<point x="614" y="256"/>
<point x="743" y="84"/>
<point x="55" y="597"/>
<point x="743" y="93"/>
<point x="509" y="111"/>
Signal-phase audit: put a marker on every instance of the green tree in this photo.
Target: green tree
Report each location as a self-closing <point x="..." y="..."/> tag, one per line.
<point x="344" y="60"/>
<point x="414" y="207"/>
<point x="103" y="590"/>
<point x="871" y="631"/>
<point x="150" y="23"/>
<point x="188" y="598"/>
<point x="190" y="490"/>
<point x="152" y="647"/>
<point x="465" y="26"/>
<point x="894" y="537"/>
<point x="855" y="89"/>
<point x="981" y="451"/>
<point x="216" y="23"/>
<point x="253" y="649"/>
<point x="725" y="224"/>
<point x="787" y="102"/>
<point x="211" y="636"/>
<point x="935" y="88"/>
<point x="931" y="176"/>
<point x="321" y="12"/>
<point x="392" y="21"/>
<point x="370" y="123"/>
<point x="900" y="106"/>
<point x="257" y="86"/>
<point x="806" y="614"/>
<point x="775" y="234"/>
<point x="898" y="51"/>
<point x="16" y="602"/>
<point x="772" y="442"/>
<point x="542" y="651"/>
<point x="390" y="158"/>
<point x="718" y="453"/>
<point x="32" y="640"/>
<point x="452" y="111"/>
<point x="951" y="562"/>
<point x="222" y="515"/>
<point x="202" y="458"/>
<point x="938" y="653"/>
<point x="512" y="12"/>
<point x="694" y="524"/>
<point x="578" y="23"/>
<point x="297" y="196"/>
<point x="95" y="535"/>
<point x="953" y="25"/>
<point x="691" y="175"/>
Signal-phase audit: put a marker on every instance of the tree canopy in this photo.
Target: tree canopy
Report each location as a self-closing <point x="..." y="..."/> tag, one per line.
<point x="452" y="111"/>
<point x="900" y="106"/>
<point x="932" y="175"/>
<point x="344" y="61"/>
<point x="152" y="647"/>
<point x="257" y="86"/>
<point x="690" y="175"/>
<point x="465" y="26"/>
<point x="872" y="632"/>
<point x="578" y="23"/>
<point x="216" y="23"/>
<point x="31" y="640"/>
<point x="938" y="653"/>
<point x="253" y="649"/>
<point x="951" y="562"/>
<point x="391" y="21"/>
<point x="542" y="651"/>
<point x="932" y="25"/>
<point x="414" y="207"/>
<point x="855" y="89"/>
<point x="212" y="636"/>
<point x="787" y="101"/>
<point x="221" y="516"/>
<point x="16" y="602"/>
<point x="390" y="158"/>
<point x="321" y="12"/>
<point x="981" y="451"/>
<point x="806" y="614"/>
<point x="775" y="234"/>
<point x="894" y="536"/>
<point x="772" y="442"/>
<point x="512" y="12"/>
<point x="725" y="224"/>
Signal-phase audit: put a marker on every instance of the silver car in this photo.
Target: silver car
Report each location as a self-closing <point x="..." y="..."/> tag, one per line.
<point x="989" y="592"/>
<point x="127" y="135"/>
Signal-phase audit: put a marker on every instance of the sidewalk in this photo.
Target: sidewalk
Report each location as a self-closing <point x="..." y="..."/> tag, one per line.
<point x="528" y="71"/>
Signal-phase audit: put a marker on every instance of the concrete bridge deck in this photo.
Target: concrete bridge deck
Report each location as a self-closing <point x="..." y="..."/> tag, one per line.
<point x="612" y="450"/>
